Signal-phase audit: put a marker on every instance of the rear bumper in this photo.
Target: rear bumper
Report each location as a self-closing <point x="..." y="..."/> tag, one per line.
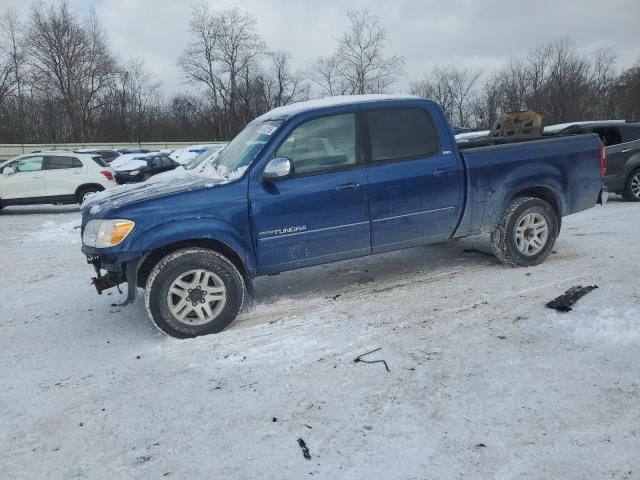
<point x="603" y="197"/>
<point x="124" y="179"/>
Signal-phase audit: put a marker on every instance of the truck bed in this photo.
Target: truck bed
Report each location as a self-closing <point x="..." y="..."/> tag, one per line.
<point x="494" y="171"/>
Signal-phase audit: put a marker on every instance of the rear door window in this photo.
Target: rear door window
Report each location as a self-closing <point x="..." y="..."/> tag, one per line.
<point x="609" y="135"/>
<point x="401" y="134"/>
<point x="630" y="133"/>
<point x="59" y="163"/>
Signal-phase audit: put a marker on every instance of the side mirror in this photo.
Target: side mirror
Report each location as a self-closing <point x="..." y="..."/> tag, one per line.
<point x="8" y="171"/>
<point x="278" y="169"/>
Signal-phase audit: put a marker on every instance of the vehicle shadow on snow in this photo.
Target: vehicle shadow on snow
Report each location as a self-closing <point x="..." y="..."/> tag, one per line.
<point x="39" y="210"/>
<point x="377" y="271"/>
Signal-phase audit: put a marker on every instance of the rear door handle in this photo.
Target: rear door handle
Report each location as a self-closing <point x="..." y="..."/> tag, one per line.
<point x="443" y="171"/>
<point x="625" y="150"/>
<point x="348" y="186"/>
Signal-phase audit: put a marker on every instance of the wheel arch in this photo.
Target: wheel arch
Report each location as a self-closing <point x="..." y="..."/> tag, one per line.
<point x="546" y="194"/>
<point x="84" y="186"/>
<point x="152" y="258"/>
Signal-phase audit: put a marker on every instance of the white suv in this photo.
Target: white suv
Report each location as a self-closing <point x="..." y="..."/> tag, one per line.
<point x="52" y="177"/>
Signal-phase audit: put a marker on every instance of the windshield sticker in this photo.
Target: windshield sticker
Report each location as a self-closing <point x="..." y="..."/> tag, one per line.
<point x="268" y="129"/>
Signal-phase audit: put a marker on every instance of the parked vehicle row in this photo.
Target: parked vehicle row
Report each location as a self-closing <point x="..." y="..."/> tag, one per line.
<point x="52" y="177"/>
<point x="329" y="180"/>
<point x="141" y="168"/>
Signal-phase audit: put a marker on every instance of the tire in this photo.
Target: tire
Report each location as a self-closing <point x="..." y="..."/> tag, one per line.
<point x="522" y="229"/>
<point x="184" y="314"/>
<point x="84" y="193"/>
<point x="146" y="177"/>
<point x="632" y="187"/>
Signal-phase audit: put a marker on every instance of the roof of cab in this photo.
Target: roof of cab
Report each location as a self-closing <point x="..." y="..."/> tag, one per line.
<point x="288" y="111"/>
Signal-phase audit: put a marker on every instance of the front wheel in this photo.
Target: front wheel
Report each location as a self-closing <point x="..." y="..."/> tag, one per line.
<point x="192" y="292"/>
<point x="526" y="233"/>
<point x="632" y="187"/>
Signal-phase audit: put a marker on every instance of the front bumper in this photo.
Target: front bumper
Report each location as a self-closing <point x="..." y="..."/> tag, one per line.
<point x="603" y="197"/>
<point x="116" y="274"/>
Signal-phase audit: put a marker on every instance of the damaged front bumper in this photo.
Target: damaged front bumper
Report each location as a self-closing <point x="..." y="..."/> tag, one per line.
<point x="116" y="274"/>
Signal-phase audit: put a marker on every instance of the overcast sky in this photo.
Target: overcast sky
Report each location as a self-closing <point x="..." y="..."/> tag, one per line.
<point x="428" y="33"/>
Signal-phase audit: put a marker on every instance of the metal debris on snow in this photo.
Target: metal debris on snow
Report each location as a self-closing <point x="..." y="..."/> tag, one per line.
<point x="564" y="302"/>
<point x="305" y="450"/>
<point x="359" y="359"/>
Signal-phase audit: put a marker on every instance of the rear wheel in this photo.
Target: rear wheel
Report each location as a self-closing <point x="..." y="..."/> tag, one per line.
<point x="194" y="291"/>
<point x="85" y="193"/>
<point x="526" y="233"/>
<point x="632" y="187"/>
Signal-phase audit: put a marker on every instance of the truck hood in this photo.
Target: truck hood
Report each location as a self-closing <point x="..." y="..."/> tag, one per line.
<point x="132" y="193"/>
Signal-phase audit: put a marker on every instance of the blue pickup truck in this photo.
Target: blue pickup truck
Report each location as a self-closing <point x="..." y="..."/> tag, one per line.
<point x="328" y="180"/>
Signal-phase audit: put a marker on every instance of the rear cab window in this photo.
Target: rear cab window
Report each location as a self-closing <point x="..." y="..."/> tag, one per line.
<point x="401" y="134"/>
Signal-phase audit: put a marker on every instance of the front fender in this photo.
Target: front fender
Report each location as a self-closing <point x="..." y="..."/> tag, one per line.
<point x="162" y="235"/>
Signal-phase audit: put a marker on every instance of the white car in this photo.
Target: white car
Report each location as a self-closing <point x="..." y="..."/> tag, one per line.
<point x="184" y="155"/>
<point x="52" y="177"/>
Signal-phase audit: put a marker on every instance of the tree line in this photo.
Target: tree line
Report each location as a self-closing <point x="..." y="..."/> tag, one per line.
<point x="61" y="82"/>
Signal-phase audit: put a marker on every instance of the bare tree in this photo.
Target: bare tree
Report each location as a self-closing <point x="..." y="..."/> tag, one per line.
<point x="453" y="89"/>
<point x="137" y="88"/>
<point x="359" y="64"/>
<point x="627" y="93"/>
<point x="326" y="74"/>
<point x="223" y="51"/>
<point x="12" y="35"/>
<point x="71" y="59"/>
<point x="281" y="86"/>
<point x="11" y="56"/>
<point x="199" y="59"/>
<point x="462" y="82"/>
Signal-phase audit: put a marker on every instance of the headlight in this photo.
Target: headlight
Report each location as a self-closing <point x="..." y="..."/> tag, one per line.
<point x="134" y="173"/>
<point x="106" y="233"/>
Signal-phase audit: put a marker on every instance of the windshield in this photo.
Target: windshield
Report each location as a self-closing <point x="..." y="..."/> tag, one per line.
<point x="246" y="146"/>
<point x="195" y="161"/>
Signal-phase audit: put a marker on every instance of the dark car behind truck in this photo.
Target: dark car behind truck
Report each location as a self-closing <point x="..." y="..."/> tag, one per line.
<point x="622" y="148"/>
<point x="329" y="180"/>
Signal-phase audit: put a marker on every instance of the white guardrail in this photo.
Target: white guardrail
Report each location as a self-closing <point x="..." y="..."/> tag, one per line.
<point x="8" y="151"/>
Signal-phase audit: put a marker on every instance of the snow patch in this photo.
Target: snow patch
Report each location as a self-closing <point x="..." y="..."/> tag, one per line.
<point x="295" y="108"/>
<point x="130" y="165"/>
<point x="54" y="232"/>
<point x="604" y="325"/>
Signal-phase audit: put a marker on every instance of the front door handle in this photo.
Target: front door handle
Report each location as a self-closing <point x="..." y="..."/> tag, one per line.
<point x="348" y="186"/>
<point x="626" y="150"/>
<point x="443" y="171"/>
<point x="36" y="177"/>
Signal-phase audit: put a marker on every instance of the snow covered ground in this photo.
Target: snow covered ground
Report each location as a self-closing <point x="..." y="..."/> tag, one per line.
<point x="484" y="381"/>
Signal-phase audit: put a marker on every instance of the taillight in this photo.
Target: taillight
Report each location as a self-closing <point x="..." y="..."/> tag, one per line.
<point x="107" y="174"/>
<point x="603" y="161"/>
